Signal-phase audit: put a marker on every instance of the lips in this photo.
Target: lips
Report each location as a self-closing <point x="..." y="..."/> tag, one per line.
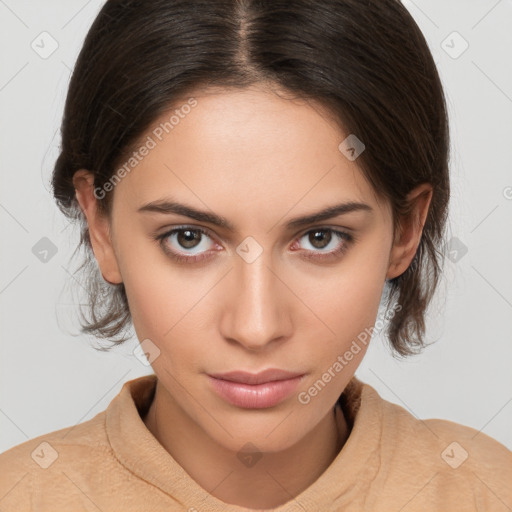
<point x="269" y="375"/>
<point x="255" y="391"/>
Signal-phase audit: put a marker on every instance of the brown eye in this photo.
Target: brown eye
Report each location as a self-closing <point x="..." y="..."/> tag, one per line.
<point x="177" y="243"/>
<point x="188" y="238"/>
<point x="319" y="239"/>
<point x="325" y="243"/>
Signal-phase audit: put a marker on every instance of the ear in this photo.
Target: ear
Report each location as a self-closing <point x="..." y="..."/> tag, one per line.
<point x="408" y="237"/>
<point x="99" y="228"/>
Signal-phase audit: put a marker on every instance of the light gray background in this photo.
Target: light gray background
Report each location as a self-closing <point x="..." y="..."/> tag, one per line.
<point x="51" y="378"/>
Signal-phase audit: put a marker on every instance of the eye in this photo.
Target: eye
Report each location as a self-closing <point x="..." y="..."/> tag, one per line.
<point x="325" y="243"/>
<point x="185" y="240"/>
<point x="188" y="244"/>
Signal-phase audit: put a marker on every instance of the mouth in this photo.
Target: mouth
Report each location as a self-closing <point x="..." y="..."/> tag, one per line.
<point x="255" y="391"/>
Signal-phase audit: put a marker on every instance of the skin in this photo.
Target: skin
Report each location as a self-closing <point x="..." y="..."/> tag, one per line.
<point x="259" y="160"/>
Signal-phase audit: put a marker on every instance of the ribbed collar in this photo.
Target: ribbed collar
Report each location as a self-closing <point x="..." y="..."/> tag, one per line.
<point x="140" y="452"/>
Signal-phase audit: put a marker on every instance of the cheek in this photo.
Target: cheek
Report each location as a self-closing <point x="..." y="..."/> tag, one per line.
<point x="351" y="294"/>
<point x="168" y="305"/>
<point x="349" y="308"/>
<point x="162" y="298"/>
<point x="348" y="305"/>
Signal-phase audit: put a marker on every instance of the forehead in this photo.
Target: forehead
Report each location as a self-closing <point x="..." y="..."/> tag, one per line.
<point x="249" y="149"/>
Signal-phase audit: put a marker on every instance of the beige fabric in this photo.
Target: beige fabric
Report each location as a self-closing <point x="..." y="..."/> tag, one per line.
<point x="390" y="462"/>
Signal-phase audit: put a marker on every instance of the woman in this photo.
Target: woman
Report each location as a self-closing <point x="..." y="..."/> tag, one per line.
<point x="251" y="178"/>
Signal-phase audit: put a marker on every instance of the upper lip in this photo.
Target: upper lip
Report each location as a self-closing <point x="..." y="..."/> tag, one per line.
<point x="272" y="374"/>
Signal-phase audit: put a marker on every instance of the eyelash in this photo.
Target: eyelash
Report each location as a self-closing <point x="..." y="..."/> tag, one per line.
<point x="338" y="252"/>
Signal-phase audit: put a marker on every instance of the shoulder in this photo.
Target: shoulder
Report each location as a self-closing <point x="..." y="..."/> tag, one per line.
<point x="44" y="450"/>
<point x="455" y="444"/>
<point x="51" y="460"/>
<point x="441" y="460"/>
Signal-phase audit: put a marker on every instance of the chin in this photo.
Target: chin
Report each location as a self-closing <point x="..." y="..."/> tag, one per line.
<point x="267" y="432"/>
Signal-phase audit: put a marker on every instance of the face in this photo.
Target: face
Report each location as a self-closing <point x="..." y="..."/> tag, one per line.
<point x="261" y="291"/>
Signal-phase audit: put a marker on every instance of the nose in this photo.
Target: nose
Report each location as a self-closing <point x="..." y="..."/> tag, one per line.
<point x="256" y="313"/>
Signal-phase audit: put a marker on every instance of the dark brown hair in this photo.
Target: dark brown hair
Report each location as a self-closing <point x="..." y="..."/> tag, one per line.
<point x="366" y="62"/>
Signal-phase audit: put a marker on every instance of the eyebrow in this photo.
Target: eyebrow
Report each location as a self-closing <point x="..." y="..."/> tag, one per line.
<point x="165" y="206"/>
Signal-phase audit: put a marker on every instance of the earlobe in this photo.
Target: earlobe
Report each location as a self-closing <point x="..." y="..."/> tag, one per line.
<point x="411" y="228"/>
<point x="99" y="228"/>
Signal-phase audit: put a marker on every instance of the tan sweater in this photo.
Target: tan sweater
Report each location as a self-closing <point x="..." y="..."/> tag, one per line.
<point x="391" y="462"/>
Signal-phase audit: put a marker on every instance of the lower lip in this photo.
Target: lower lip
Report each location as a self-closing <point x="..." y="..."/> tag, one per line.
<point x="255" y="396"/>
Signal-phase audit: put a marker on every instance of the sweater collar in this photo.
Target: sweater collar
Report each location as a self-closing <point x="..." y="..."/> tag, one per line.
<point x="140" y="452"/>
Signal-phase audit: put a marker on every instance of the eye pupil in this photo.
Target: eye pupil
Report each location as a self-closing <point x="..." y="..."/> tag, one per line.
<point x="321" y="238"/>
<point x="187" y="237"/>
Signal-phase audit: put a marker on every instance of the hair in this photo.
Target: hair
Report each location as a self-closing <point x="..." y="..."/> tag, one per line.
<point x="366" y="62"/>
